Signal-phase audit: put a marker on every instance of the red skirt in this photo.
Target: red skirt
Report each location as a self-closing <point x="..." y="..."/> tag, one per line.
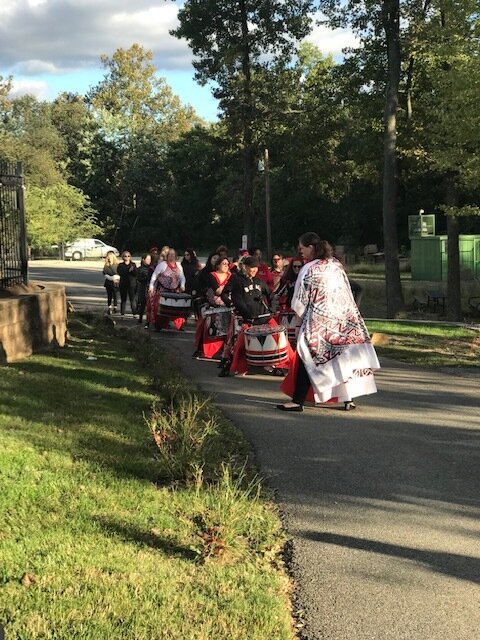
<point x="210" y="346"/>
<point x="288" y="384"/>
<point x="160" y="322"/>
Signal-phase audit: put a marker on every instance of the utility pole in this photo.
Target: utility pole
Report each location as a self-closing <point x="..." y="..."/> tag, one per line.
<point x="267" y="206"/>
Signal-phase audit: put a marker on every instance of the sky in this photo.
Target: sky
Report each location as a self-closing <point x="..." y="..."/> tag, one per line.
<point x="51" y="46"/>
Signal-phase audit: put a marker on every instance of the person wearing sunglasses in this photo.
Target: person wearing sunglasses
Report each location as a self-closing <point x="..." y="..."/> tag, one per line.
<point x="334" y="359"/>
<point x="127" y="270"/>
<point x="287" y="282"/>
<point x="277" y="269"/>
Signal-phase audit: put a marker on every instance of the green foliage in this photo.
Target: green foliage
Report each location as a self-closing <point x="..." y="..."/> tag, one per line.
<point x="467" y="211"/>
<point x="215" y="30"/>
<point x="138" y="117"/>
<point x="58" y="214"/>
<point x="105" y="551"/>
<point x="426" y="344"/>
<point x="181" y="432"/>
<point x="446" y="118"/>
<point x="229" y="521"/>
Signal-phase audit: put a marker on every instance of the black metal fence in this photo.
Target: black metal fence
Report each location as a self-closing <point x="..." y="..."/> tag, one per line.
<point x="13" y="234"/>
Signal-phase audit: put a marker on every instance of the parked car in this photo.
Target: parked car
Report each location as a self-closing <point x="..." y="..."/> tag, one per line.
<point x="88" y="248"/>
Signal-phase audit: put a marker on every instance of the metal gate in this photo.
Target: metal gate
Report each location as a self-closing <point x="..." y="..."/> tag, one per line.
<point x="13" y="234"/>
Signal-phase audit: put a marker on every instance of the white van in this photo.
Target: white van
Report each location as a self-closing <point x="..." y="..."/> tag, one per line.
<point x="88" y="248"/>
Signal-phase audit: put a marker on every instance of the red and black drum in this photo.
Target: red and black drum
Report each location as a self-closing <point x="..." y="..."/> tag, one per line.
<point x="174" y="305"/>
<point x="266" y="345"/>
<point x="288" y="318"/>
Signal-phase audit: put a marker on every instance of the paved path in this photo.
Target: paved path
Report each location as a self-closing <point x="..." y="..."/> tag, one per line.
<point x="382" y="503"/>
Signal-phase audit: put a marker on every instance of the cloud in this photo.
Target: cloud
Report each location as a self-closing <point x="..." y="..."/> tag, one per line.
<point x="37" y="88"/>
<point x="64" y="35"/>
<point x="331" y="41"/>
<point x="33" y="68"/>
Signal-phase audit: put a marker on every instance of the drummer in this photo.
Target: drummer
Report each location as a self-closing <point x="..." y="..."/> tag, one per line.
<point x="218" y="297"/>
<point x="250" y="297"/>
<point x="167" y="277"/>
<point x="250" y="294"/>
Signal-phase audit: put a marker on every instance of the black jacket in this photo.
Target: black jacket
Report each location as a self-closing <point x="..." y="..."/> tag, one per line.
<point x="128" y="275"/>
<point x="248" y="296"/>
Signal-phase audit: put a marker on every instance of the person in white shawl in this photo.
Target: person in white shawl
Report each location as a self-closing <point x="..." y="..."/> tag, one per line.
<point x="335" y="358"/>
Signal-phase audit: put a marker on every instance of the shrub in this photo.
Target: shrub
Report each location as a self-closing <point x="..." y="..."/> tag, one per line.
<point x="230" y="520"/>
<point x="182" y="430"/>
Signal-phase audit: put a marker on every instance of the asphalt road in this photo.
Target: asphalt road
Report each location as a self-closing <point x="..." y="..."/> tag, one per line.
<point x="382" y="503"/>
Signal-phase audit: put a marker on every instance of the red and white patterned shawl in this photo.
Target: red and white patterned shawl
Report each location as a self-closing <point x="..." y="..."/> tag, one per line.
<point x="331" y="321"/>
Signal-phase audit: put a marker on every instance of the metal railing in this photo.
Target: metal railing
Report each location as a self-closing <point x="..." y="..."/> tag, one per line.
<point x="13" y="233"/>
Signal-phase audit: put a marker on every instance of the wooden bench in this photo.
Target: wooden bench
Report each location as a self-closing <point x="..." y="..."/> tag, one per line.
<point x="372" y="254"/>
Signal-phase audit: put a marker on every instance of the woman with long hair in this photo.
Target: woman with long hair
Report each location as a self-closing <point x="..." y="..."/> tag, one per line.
<point x="334" y="359"/>
<point x="287" y="282"/>
<point x="144" y="273"/>
<point x="211" y="329"/>
<point x="111" y="281"/>
<point x="191" y="265"/>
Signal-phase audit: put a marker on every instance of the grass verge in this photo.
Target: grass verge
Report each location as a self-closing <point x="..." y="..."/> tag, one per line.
<point x="94" y="543"/>
<point x="426" y="344"/>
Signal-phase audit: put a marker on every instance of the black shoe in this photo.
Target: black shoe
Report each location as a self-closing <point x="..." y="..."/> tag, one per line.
<point x="224" y="373"/>
<point x="197" y="354"/>
<point x="348" y="406"/>
<point x="298" y="408"/>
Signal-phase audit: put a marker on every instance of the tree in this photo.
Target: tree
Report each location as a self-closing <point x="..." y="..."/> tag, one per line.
<point x="378" y="26"/>
<point x="445" y="117"/>
<point x="231" y="42"/>
<point x="138" y="116"/>
<point x="77" y="127"/>
<point x="58" y="214"/>
<point x="29" y="136"/>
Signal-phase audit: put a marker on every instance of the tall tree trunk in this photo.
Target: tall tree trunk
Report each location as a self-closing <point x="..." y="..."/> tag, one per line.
<point x="247" y="117"/>
<point x="454" y="292"/>
<point x="391" y="24"/>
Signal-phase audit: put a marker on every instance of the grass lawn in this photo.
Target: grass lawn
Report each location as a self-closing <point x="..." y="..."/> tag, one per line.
<point x="426" y="344"/>
<point x="94" y="544"/>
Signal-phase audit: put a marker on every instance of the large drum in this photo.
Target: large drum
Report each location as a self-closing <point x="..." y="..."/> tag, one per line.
<point x="266" y="345"/>
<point x="174" y="305"/>
<point x="217" y="321"/>
<point x="288" y="319"/>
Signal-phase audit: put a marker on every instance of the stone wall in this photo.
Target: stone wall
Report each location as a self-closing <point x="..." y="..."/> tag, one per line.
<point x="31" y="318"/>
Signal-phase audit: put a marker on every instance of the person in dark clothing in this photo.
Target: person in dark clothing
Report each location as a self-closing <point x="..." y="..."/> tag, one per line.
<point x="357" y="291"/>
<point x="201" y="283"/>
<point x="144" y="273"/>
<point x="287" y="283"/>
<point x="127" y="270"/>
<point x="248" y="292"/>
<point x="191" y="265"/>
<point x="250" y="297"/>
<point x="111" y="281"/>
